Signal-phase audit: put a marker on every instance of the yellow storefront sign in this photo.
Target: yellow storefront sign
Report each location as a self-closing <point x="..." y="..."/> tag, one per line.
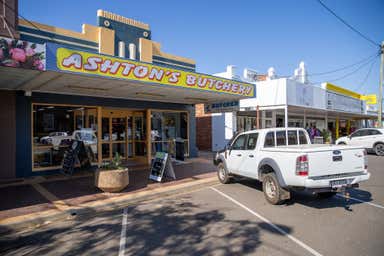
<point x="370" y="99"/>
<point x="96" y="64"/>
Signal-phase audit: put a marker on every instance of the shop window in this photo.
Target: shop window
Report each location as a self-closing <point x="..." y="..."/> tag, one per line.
<point x="166" y="129"/>
<point x="54" y="126"/>
<point x="292" y="137"/>
<point x="269" y="140"/>
<point x="268" y="114"/>
<point x="281" y="139"/>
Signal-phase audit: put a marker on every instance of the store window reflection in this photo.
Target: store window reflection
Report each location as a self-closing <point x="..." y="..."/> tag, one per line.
<point x="54" y="127"/>
<point x="166" y="129"/>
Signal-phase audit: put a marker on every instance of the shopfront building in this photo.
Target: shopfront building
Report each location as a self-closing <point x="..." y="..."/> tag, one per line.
<point x="110" y="86"/>
<point x="287" y="102"/>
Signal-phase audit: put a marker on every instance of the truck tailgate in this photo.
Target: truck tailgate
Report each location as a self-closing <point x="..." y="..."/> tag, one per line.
<point x="336" y="161"/>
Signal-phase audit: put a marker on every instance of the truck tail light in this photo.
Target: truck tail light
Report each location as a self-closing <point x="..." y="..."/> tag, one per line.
<point x="365" y="160"/>
<point x="302" y="165"/>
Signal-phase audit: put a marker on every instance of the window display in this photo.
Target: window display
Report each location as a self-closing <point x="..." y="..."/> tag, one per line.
<point x="54" y="126"/>
<point x="166" y="127"/>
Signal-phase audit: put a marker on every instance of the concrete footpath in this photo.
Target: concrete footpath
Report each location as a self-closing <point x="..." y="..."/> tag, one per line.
<point x="40" y="201"/>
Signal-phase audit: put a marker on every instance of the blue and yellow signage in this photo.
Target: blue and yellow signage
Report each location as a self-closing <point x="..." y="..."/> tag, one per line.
<point x="107" y="66"/>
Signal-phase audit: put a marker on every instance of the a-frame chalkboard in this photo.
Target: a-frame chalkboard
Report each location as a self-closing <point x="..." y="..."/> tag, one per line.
<point x="161" y="167"/>
<point x="77" y="152"/>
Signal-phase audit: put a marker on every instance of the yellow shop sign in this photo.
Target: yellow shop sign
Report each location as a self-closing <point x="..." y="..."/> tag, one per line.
<point x="89" y="63"/>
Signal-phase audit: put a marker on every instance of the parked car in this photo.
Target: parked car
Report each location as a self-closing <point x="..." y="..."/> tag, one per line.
<point x="284" y="160"/>
<point x="370" y="138"/>
<point x="88" y="136"/>
<point x="52" y="136"/>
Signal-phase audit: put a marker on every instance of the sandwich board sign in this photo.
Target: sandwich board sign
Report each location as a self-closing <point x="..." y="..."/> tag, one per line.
<point x="161" y="167"/>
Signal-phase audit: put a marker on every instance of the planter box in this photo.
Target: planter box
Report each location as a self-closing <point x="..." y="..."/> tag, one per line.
<point x="111" y="180"/>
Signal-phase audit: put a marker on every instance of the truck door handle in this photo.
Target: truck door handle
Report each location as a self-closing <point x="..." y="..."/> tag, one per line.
<point x="238" y="154"/>
<point x="251" y="155"/>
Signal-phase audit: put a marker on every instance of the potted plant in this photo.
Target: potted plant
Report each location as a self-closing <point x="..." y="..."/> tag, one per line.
<point x="112" y="176"/>
<point x="327" y="136"/>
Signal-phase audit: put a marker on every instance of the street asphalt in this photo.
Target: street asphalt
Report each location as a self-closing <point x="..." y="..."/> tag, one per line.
<point x="232" y="219"/>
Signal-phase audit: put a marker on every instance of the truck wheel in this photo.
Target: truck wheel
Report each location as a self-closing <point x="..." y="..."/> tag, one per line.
<point x="222" y="174"/>
<point x="324" y="195"/>
<point x="379" y="149"/>
<point x="341" y="143"/>
<point x="271" y="188"/>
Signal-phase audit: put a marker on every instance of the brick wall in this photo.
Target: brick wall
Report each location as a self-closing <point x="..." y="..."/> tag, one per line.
<point x="10" y="10"/>
<point x="203" y="128"/>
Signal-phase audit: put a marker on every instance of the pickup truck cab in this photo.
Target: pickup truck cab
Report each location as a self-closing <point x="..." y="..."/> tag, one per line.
<point x="370" y="138"/>
<point x="284" y="159"/>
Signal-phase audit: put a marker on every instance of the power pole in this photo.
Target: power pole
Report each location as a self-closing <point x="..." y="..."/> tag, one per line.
<point x="380" y="110"/>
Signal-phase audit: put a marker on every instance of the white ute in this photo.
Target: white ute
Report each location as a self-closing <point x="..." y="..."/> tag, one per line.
<point x="284" y="160"/>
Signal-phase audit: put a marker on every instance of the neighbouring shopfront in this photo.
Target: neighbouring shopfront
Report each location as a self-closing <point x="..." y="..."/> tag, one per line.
<point x="286" y="102"/>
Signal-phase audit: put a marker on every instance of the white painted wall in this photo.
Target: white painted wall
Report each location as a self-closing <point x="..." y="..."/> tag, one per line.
<point x="269" y="93"/>
<point x="305" y="95"/>
<point x="223" y="128"/>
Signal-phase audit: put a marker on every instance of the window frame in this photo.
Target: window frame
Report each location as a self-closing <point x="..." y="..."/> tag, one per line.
<point x="274" y="139"/>
<point x="237" y="138"/>
<point x="297" y="137"/>
<point x="284" y="132"/>
<point x="248" y="137"/>
<point x="374" y="130"/>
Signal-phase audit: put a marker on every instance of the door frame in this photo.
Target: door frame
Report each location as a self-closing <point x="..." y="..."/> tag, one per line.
<point x="111" y="113"/>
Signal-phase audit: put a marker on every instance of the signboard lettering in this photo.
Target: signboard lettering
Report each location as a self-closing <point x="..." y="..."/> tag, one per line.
<point x="220" y="107"/>
<point x="90" y="63"/>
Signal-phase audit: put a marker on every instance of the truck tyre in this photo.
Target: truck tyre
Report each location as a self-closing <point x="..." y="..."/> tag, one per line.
<point x="271" y="188"/>
<point x="324" y="195"/>
<point x="341" y="143"/>
<point x="222" y="174"/>
<point x="379" y="149"/>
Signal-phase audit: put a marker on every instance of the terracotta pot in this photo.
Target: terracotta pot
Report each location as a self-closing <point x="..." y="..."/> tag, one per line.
<point x="111" y="180"/>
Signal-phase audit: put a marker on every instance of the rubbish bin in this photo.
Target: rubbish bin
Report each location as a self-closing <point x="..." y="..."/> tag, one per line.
<point x="180" y="149"/>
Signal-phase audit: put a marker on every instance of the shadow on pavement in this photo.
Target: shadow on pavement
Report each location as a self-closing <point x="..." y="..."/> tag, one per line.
<point x="310" y="200"/>
<point x="172" y="227"/>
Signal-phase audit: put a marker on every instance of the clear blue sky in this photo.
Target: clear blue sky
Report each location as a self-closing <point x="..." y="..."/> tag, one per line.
<point x="255" y="34"/>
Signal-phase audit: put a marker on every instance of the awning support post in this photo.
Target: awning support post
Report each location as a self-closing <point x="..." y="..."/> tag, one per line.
<point x="286" y="116"/>
<point x="148" y="136"/>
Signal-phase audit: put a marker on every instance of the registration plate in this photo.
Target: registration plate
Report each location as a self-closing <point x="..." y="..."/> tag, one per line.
<point x="339" y="183"/>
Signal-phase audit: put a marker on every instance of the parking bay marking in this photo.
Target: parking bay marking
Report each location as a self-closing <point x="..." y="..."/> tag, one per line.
<point x="123" y="232"/>
<point x="294" y="239"/>
<point x="361" y="201"/>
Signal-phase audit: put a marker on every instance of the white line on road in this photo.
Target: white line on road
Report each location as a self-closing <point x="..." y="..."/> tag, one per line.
<point x="123" y="233"/>
<point x="294" y="239"/>
<point x="362" y="201"/>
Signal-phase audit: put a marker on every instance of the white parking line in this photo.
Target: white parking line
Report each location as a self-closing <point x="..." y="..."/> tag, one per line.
<point x="123" y="233"/>
<point x="294" y="239"/>
<point x="362" y="201"/>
